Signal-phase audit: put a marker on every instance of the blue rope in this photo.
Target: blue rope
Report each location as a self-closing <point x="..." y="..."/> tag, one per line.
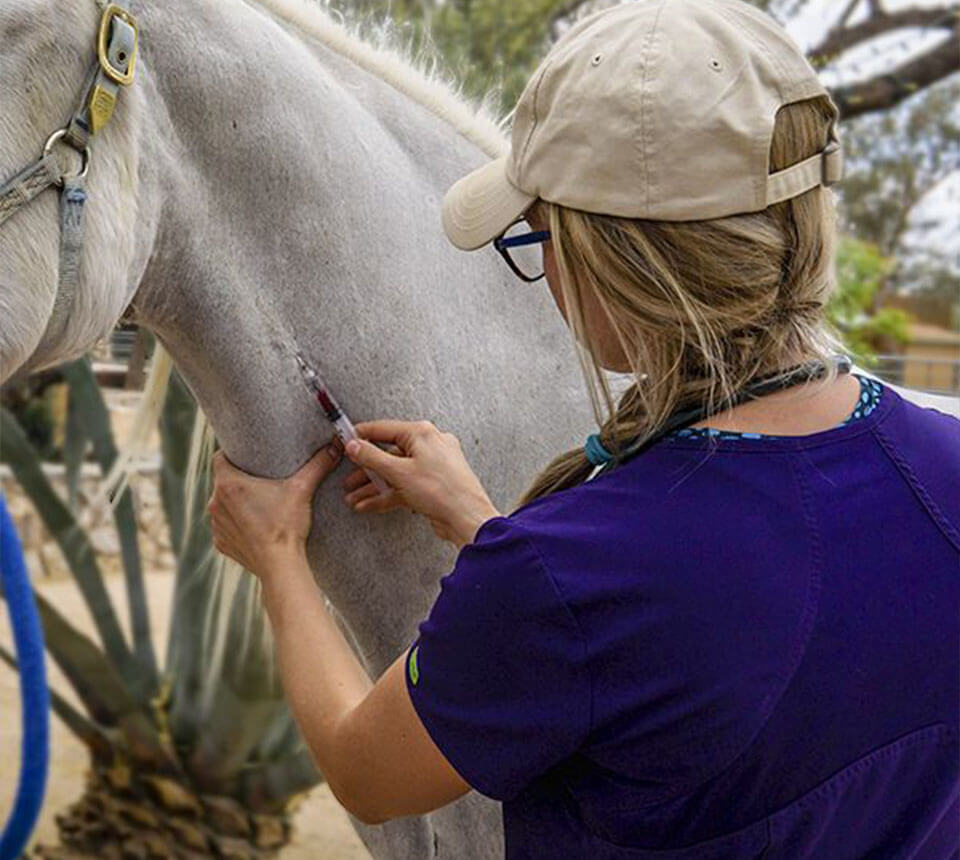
<point x="35" y="710"/>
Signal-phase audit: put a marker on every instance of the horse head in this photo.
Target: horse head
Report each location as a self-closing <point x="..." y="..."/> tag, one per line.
<point x="48" y="70"/>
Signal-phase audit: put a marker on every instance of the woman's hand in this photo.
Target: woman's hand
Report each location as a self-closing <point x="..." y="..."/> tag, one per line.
<point x="262" y="523"/>
<point x="430" y="475"/>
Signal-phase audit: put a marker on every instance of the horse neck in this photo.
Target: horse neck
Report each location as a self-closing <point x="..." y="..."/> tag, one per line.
<point x="285" y="174"/>
<point x="300" y="210"/>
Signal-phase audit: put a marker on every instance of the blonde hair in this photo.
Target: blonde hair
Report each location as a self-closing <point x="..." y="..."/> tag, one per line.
<point x="699" y="308"/>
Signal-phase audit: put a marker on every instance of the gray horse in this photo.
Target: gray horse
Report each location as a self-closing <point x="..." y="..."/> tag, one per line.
<point x="272" y="185"/>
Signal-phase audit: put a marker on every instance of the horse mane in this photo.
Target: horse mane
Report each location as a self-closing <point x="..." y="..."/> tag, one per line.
<point x="388" y="61"/>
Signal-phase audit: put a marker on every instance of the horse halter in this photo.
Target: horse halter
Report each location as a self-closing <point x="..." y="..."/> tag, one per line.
<point x="112" y="69"/>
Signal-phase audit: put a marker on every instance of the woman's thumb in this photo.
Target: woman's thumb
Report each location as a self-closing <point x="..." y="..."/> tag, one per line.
<point x="321" y="464"/>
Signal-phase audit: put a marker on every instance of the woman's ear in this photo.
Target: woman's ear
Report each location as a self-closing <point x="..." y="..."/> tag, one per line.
<point x="535" y="216"/>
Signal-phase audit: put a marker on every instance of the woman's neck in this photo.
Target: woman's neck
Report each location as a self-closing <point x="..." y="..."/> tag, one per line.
<point x="799" y="411"/>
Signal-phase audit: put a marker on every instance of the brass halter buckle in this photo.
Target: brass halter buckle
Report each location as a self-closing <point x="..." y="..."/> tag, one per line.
<point x="117" y="75"/>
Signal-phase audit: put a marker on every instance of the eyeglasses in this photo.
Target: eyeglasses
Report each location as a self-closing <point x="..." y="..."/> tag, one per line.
<point x="516" y="247"/>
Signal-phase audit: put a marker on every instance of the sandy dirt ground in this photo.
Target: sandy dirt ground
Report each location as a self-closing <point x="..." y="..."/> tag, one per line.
<point x="323" y="830"/>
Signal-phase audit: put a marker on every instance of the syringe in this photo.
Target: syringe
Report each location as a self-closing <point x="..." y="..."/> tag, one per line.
<point x="335" y="415"/>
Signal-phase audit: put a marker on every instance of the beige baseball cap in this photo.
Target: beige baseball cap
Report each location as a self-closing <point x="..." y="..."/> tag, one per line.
<point x="656" y="109"/>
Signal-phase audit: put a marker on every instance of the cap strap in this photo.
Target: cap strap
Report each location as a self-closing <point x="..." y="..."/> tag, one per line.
<point x="825" y="168"/>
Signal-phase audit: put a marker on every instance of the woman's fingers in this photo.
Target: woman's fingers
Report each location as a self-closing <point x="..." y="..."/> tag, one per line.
<point x="378" y="503"/>
<point x="258" y="521"/>
<point x="365" y="492"/>
<point x="357" y="478"/>
<point x="368" y="455"/>
<point x="384" y="430"/>
<point x="399" y="433"/>
<point x="430" y="477"/>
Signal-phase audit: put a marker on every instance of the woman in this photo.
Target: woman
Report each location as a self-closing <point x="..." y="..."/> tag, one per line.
<point x="728" y="624"/>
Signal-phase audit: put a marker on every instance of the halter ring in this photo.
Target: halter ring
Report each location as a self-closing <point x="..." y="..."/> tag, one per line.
<point x="84" y="155"/>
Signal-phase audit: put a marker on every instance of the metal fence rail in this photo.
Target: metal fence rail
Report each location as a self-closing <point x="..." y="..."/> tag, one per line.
<point x="934" y="375"/>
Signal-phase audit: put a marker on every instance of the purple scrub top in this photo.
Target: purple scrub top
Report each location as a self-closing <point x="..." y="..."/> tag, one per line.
<point x="726" y="648"/>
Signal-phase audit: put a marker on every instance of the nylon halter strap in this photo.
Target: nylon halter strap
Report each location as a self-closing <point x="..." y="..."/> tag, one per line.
<point x="112" y="69"/>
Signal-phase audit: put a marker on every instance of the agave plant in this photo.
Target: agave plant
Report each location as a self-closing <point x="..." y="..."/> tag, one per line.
<point x="200" y="758"/>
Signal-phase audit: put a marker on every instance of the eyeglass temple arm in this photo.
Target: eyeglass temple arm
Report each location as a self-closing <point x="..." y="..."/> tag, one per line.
<point x="525" y="239"/>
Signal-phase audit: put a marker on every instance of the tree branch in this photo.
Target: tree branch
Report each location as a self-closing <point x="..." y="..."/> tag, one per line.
<point x="841" y="38"/>
<point x="842" y="21"/>
<point x="886" y="91"/>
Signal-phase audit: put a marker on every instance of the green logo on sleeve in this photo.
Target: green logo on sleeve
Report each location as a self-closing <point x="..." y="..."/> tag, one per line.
<point x="412" y="666"/>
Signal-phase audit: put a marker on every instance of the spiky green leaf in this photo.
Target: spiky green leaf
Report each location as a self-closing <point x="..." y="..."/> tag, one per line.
<point x="73" y="542"/>
<point x="95" y="419"/>
<point x="241" y="679"/>
<point x="176" y="423"/>
<point x="75" y="444"/>
<point x="82" y="726"/>
<point x="101" y="689"/>
<point x="269" y="787"/>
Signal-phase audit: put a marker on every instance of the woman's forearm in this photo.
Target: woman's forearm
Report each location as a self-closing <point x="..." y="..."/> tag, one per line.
<point x="322" y="679"/>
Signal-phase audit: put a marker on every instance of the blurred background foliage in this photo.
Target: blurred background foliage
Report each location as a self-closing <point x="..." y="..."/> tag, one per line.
<point x="862" y="270"/>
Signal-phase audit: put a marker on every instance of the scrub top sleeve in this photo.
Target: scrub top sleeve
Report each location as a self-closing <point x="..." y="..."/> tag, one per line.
<point x="498" y="674"/>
